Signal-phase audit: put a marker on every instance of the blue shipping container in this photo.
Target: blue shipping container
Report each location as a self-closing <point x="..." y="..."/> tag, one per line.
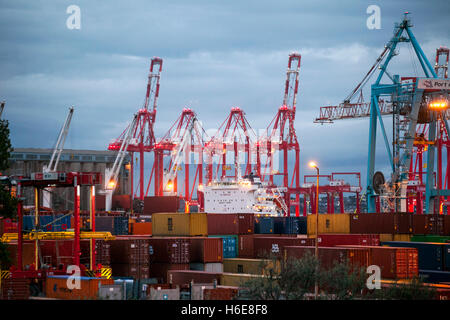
<point x="120" y="226"/>
<point x="433" y="276"/>
<point x="430" y="254"/>
<point x="61" y="223"/>
<point x="290" y="225"/>
<point x="264" y="225"/>
<point x="230" y="245"/>
<point x="446" y="249"/>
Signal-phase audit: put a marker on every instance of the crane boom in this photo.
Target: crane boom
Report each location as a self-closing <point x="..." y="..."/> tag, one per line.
<point x="53" y="164"/>
<point x="2" y="106"/>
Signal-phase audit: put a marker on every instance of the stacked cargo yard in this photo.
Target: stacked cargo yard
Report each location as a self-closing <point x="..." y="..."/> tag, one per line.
<point x="207" y="256"/>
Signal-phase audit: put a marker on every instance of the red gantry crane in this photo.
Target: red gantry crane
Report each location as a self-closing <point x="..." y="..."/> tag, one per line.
<point x="280" y="135"/>
<point x="143" y="137"/>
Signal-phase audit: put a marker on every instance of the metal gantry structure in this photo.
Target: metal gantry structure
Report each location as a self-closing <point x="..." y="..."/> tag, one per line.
<point x="143" y="137"/>
<point x="281" y="136"/>
<point x="417" y="127"/>
<point x="182" y="142"/>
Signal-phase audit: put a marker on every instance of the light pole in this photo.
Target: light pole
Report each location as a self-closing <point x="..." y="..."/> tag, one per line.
<point x="316" y="287"/>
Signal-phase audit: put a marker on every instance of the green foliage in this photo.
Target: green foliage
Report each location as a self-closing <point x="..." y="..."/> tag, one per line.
<point x="298" y="276"/>
<point x="415" y="290"/>
<point x="5" y="259"/>
<point x="5" y="145"/>
<point x="342" y="282"/>
<point x="8" y="204"/>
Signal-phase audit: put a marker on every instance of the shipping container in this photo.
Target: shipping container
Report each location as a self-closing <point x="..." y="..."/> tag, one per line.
<point x="164" y="294"/>
<point x="100" y="202"/>
<point x="329" y="223"/>
<point x="430" y="254"/>
<point x="264" y="225"/>
<point x="237" y="279"/>
<point x="245" y="246"/>
<point x="184" y="277"/>
<point x="220" y="293"/>
<point x="446" y="225"/>
<point x="130" y="250"/>
<point x="104" y="223"/>
<point x="54" y="253"/>
<point x="401" y="237"/>
<point x="1" y="227"/>
<point x="15" y="289"/>
<point x="331" y="240"/>
<point x="329" y="256"/>
<point x="250" y="266"/>
<point x="102" y="252"/>
<point x="372" y="223"/>
<point x="430" y="238"/>
<point x="111" y="292"/>
<point x="290" y="225"/>
<point x="394" y="262"/>
<point x="133" y="270"/>
<point x="120" y="226"/>
<point x="159" y="270"/>
<point x="433" y="276"/>
<point x="141" y="228"/>
<point x="179" y="224"/>
<point x="229" y="244"/>
<point x="208" y="267"/>
<point x="170" y="250"/>
<point x="121" y="201"/>
<point x="429" y="224"/>
<point x="197" y="290"/>
<point x="265" y="247"/>
<point x="56" y="287"/>
<point x="28" y="255"/>
<point x="224" y="224"/>
<point x="446" y="254"/>
<point x="386" y="237"/>
<point x="403" y="223"/>
<point x="157" y="204"/>
<point x="204" y="249"/>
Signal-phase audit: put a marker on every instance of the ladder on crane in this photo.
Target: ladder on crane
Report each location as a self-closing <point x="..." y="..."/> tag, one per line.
<point x="279" y="199"/>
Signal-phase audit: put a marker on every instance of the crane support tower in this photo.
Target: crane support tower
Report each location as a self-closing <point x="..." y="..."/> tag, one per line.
<point x="143" y="136"/>
<point x="280" y="135"/>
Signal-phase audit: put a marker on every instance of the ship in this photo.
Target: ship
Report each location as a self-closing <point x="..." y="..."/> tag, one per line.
<point x="243" y="195"/>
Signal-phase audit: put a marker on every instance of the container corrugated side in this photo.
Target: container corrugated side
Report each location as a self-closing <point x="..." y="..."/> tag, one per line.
<point x="265" y="247"/>
<point x="159" y="270"/>
<point x="329" y="223"/>
<point x="204" y="249"/>
<point x="236" y="279"/>
<point x="250" y="266"/>
<point x="184" y="277"/>
<point x="56" y="287"/>
<point x="331" y="240"/>
<point x="179" y="224"/>
<point x="170" y="249"/>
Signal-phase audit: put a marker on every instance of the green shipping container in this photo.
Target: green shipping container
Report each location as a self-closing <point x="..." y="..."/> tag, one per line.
<point x="430" y="238"/>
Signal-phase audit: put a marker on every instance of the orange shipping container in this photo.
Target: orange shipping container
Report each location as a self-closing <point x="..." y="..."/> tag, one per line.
<point x="141" y="228"/>
<point x="57" y="287"/>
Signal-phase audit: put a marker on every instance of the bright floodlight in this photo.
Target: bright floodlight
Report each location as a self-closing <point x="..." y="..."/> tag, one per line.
<point x="170" y="185"/>
<point x="312" y="164"/>
<point x="111" y="184"/>
<point x="438" y="105"/>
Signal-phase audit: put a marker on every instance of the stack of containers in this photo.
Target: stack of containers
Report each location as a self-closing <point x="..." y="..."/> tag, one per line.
<point x="15" y="289"/>
<point x="395" y="262"/>
<point x="102" y="252"/>
<point x="170" y="253"/>
<point x="130" y="257"/>
<point x="328" y="256"/>
<point x="236" y="231"/>
<point x="206" y="254"/>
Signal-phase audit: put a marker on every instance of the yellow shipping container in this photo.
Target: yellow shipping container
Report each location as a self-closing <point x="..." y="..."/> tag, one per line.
<point x="236" y="279"/>
<point x="249" y="266"/>
<point x="329" y="223"/>
<point x="402" y="237"/>
<point x="179" y="224"/>
<point x="386" y="237"/>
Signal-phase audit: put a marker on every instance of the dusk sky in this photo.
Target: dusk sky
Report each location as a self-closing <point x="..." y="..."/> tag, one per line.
<point x="217" y="55"/>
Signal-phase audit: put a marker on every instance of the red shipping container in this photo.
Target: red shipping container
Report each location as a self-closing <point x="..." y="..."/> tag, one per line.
<point x="100" y="202"/>
<point x="331" y="240"/>
<point x="222" y="224"/>
<point x="329" y="256"/>
<point x="403" y="223"/>
<point x="220" y="293"/>
<point x="170" y="249"/>
<point x="266" y="246"/>
<point x="121" y="201"/>
<point x="446" y="225"/>
<point x="9" y="226"/>
<point x="395" y="262"/>
<point x="1" y="226"/>
<point x="159" y="270"/>
<point x="130" y="250"/>
<point x="161" y="204"/>
<point x="374" y="223"/>
<point x="28" y="252"/>
<point x="136" y="271"/>
<point x="245" y="246"/>
<point x="429" y="224"/>
<point x="204" y="249"/>
<point x="184" y="277"/>
<point x="15" y="289"/>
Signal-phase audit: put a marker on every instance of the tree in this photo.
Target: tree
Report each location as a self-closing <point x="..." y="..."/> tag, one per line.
<point x="8" y="203"/>
<point x="5" y="259"/>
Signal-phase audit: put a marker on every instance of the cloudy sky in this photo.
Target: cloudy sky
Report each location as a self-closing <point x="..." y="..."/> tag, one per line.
<point x="217" y="54"/>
